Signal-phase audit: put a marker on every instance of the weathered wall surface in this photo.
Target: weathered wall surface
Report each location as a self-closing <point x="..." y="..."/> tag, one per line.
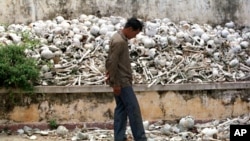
<point x="197" y="11"/>
<point x="99" y="107"/>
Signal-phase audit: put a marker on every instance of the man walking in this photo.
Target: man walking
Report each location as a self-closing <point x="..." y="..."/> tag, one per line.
<point x="119" y="74"/>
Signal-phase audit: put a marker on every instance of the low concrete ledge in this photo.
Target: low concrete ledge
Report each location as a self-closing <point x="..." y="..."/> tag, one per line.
<point x="141" y="88"/>
<point x="195" y="86"/>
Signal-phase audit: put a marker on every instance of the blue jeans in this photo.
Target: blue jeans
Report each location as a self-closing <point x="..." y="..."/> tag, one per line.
<point x="127" y="106"/>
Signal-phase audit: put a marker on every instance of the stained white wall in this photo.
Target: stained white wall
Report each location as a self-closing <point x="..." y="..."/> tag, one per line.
<point x="196" y="11"/>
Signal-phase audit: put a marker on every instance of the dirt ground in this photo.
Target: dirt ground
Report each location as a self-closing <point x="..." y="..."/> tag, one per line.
<point x="39" y="138"/>
<point x="16" y="138"/>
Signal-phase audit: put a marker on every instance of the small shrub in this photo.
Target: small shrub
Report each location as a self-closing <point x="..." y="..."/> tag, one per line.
<point x="17" y="70"/>
<point x="53" y="124"/>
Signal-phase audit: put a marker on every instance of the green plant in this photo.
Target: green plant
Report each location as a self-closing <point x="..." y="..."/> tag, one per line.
<point x="53" y="124"/>
<point x="17" y="70"/>
<point x="28" y="41"/>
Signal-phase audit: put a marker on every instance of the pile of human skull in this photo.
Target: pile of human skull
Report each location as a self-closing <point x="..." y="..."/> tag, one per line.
<point x="185" y="129"/>
<point x="73" y="52"/>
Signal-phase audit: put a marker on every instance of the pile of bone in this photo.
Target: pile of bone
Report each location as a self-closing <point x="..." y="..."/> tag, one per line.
<point x="186" y="129"/>
<point x="73" y="52"/>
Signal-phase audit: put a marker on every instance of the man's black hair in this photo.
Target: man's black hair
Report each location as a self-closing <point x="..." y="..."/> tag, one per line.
<point x="134" y="23"/>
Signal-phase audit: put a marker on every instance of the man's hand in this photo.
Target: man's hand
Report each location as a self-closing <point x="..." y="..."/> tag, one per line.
<point x="107" y="77"/>
<point x="117" y="90"/>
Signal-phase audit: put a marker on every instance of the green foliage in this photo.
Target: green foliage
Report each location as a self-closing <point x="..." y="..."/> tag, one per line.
<point x="53" y="124"/>
<point x="28" y="40"/>
<point x="17" y="70"/>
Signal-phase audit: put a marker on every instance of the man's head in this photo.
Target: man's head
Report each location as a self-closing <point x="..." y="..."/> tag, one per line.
<point x="132" y="27"/>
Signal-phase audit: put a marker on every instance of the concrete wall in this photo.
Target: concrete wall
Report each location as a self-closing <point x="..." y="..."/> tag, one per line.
<point x="196" y="11"/>
<point x="99" y="107"/>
